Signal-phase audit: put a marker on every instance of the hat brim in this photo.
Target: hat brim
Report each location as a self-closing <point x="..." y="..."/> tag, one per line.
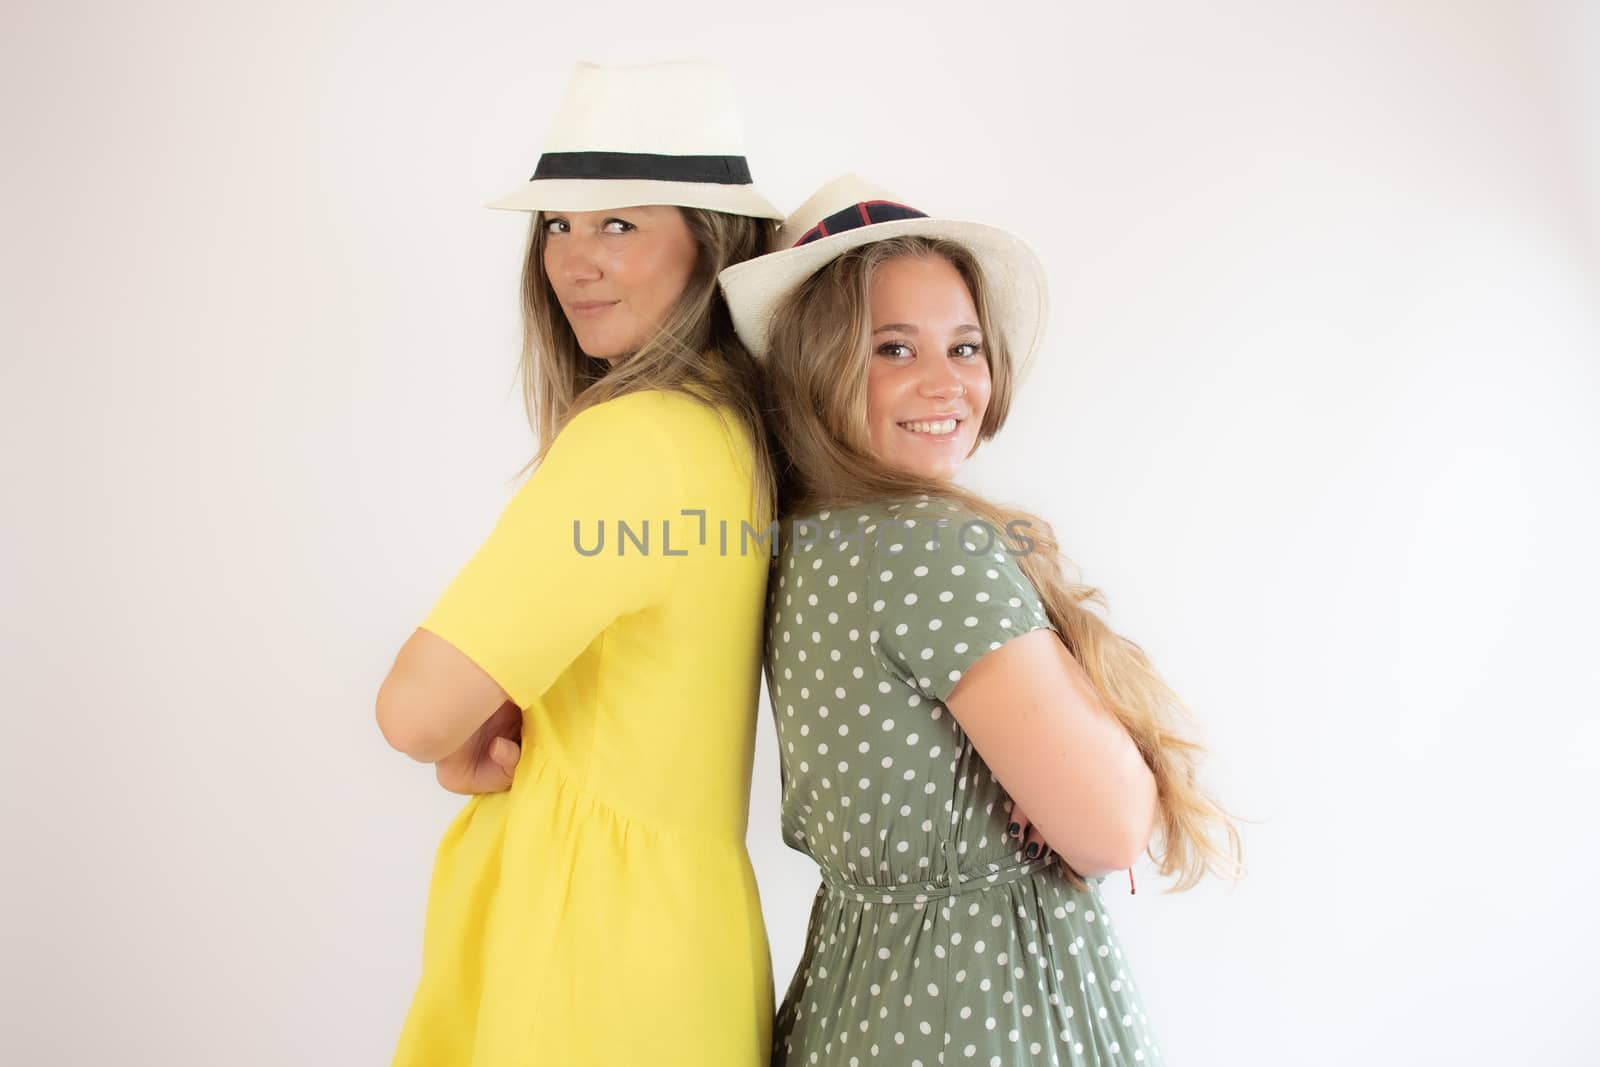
<point x="1014" y="276"/>
<point x="595" y="194"/>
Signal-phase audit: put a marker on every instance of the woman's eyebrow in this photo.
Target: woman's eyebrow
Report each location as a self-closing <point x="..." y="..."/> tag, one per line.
<point x="907" y="327"/>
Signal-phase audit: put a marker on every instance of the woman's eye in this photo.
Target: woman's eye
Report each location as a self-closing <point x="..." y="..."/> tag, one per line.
<point x="894" y="349"/>
<point x="555" y="226"/>
<point x="967" y="348"/>
<point x="619" y="226"/>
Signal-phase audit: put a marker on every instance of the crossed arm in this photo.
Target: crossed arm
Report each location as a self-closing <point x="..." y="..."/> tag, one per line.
<point x="439" y="707"/>
<point x="1035" y="718"/>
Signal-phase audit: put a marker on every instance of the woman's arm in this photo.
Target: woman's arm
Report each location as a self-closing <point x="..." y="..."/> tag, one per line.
<point x="1032" y="713"/>
<point x="536" y="593"/>
<point x="963" y="625"/>
<point x="434" y="698"/>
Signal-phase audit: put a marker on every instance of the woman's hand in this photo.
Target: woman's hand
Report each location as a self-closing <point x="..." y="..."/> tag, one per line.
<point x="487" y="762"/>
<point x="1026" y="835"/>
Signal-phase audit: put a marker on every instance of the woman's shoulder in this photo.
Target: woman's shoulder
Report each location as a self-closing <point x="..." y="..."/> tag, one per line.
<point x="698" y="450"/>
<point x="902" y="542"/>
<point x="918" y="525"/>
<point x="628" y="446"/>
<point x="874" y="511"/>
<point x="938" y="539"/>
<point x="646" y="423"/>
<point x="642" y="409"/>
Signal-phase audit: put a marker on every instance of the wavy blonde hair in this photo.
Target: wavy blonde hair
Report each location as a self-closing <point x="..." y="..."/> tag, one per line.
<point x="694" y="351"/>
<point x="817" y="371"/>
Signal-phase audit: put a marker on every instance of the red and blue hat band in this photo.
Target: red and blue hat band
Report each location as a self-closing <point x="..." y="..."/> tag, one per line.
<point x="858" y="215"/>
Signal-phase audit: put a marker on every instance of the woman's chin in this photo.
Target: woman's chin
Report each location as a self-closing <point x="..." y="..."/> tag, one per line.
<point x="605" y="352"/>
<point x="604" y="345"/>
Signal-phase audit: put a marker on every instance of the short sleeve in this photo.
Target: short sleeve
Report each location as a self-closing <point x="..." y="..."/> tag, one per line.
<point x="558" y="568"/>
<point x="944" y="590"/>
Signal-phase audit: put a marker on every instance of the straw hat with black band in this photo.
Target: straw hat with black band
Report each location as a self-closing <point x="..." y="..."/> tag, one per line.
<point x="664" y="133"/>
<point x="849" y="212"/>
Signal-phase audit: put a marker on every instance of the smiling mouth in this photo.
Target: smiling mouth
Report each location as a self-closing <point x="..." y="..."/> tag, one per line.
<point x="587" y="308"/>
<point x="932" y="427"/>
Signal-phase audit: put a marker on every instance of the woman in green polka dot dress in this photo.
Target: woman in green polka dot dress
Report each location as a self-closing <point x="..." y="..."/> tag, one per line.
<point x="934" y="675"/>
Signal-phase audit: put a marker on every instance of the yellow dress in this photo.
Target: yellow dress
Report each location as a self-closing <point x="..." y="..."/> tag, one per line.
<point x="604" y="909"/>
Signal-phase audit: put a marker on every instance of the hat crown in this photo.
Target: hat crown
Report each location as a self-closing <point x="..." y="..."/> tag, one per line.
<point x="677" y="109"/>
<point x="843" y="192"/>
<point x="658" y="133"/>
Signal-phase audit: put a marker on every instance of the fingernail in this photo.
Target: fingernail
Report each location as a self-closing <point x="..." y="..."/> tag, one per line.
<point x="1013" y="828"/>
<point x="1033" y="850"/>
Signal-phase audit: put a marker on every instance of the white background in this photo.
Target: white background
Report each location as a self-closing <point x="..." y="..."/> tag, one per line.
<point x="1318" y="413"/>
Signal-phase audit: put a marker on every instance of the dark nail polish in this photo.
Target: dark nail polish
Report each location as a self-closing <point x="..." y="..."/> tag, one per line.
<point x="1013" y="828"/>
<point x="1033" y="851"/>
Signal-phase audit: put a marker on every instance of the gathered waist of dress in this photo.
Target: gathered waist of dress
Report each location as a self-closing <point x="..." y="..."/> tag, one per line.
<point x="543" y="763"/>
<point x="954" y="884"/>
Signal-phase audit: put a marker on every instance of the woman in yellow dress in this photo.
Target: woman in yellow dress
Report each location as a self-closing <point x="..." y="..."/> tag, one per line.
<point x="603" y="909"/>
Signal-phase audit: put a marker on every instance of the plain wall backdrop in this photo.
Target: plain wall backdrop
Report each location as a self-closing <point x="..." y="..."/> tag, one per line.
<point x="1319" y="412"/>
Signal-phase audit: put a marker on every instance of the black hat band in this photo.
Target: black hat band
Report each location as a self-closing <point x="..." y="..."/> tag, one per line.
<point x="643" y="166"/>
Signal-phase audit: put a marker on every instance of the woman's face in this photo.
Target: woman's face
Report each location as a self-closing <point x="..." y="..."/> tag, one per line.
<point x="929" y="380"/>
<point x="617" y="273"/>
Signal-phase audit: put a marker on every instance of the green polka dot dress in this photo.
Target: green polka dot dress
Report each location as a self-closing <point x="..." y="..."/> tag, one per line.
<point x="932" y="940"/>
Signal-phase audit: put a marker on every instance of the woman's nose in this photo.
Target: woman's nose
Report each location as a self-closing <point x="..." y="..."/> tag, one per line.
<point x="939" y="379"/>
<point x="571" y="258"/>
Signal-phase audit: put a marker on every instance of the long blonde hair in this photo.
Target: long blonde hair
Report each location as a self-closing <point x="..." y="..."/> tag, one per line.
<point x="694" y="351"/>
<point x="816" y="405"/>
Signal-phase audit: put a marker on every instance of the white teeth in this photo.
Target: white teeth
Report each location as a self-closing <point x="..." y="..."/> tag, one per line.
<point x="943" y="426"/>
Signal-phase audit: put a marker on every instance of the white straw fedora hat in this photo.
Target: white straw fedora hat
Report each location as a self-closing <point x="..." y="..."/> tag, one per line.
<point x="849" y="212"/>
<point x="664" y="133"/>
